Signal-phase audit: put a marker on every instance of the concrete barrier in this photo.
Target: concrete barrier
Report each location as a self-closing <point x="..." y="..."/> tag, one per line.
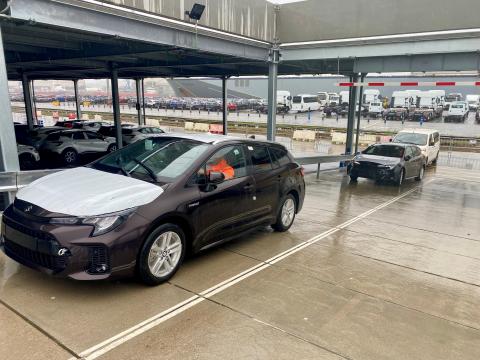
<point x="151" y="122"/>
<point x="201" y="127"/>
<point x="85" y="117"/>
<point x="304" y="135"/>
<point x="216" y="129"/>
<point x="189" y="126"/>
<point x="364" y="139"/>
<point x="98" y="118"/>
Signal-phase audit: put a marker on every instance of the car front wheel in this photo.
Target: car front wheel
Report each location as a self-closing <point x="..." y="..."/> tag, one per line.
<point x="286" y="214"/>
<point x="70" y="157"/>
<point x="420" y="174"/>
<point x="401" y="177"/>
<point x="162" y="254"/>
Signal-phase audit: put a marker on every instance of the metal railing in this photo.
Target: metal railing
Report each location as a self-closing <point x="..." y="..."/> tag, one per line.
<point x="323" y="159"/>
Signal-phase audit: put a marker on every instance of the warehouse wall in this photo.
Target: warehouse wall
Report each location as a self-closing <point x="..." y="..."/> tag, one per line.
<point x="324" y="19"/>
<point x="252" y="18"/>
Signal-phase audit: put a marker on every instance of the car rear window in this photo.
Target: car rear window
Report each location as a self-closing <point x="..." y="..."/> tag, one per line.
<point x="260" y="158"/>
<point x="280" y="156"/>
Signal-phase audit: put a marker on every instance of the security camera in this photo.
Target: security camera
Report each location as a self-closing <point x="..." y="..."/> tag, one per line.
<point x="4" y="6"/>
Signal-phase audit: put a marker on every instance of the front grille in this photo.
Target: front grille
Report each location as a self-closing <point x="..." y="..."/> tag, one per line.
<point x="20" y="253"/>
<point x="98" y="259"/>
<point x="27" y="231"/>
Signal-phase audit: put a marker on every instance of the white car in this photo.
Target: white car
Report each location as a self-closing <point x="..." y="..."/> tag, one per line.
<point x="375" y="109"/>
<point x="426" y="139"/>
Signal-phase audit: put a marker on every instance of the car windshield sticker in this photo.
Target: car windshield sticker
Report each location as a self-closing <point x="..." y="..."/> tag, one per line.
<point x="236" y="152"/>
<point x="148" y="145"/>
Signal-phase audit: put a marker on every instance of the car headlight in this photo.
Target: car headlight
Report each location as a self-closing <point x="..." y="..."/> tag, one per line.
<point x="101" y="223"/>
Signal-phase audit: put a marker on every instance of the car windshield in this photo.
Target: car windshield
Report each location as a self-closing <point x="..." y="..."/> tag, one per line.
<point x="161" y="159"/>
<point x="411" y="138"/>
<point x="457" y="106"/>
<point x="385" y="150"/>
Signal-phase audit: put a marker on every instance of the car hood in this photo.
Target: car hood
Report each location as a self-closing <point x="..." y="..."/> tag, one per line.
<point x="88" y="192"/>
<point x="381" y="160"/>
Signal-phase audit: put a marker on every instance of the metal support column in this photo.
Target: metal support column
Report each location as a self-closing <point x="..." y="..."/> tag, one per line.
<point x="143" y="102"/>
<point x="351" y="115"/>
<point x="359" y="114"/>
<point x="27" y="98"/>
<point x="272" y="93"/>
<point x="8" y="146"/>
<point x="116" y="108"/>
<point x="138" y="104"/>
<point x="224" y="105"/>
<point x="77" y="99"/>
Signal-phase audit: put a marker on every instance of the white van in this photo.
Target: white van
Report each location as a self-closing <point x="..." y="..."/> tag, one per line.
<point x="305" y="102"/>
<point x="322" y="98"/>
<point x="284" y="101"/>
<point x="333" y="99"/>
<point x="457" y="111"/>
<point x="375" y="108"/>
<point x="427" y="140"/>
<point x="473" y="102"/>
<point x="370" y="95"/>
<point x="344" y="97"/>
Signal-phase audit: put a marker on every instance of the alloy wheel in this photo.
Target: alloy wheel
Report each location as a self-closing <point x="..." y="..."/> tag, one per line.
<point x="165" y="254"/>
<point x="288" y="212"/>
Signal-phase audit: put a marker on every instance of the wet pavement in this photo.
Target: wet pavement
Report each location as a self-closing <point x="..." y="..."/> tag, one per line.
<point x="367" y="272"/>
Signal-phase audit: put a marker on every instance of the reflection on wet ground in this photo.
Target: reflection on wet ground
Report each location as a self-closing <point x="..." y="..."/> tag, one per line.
<point x="400" y="282"/>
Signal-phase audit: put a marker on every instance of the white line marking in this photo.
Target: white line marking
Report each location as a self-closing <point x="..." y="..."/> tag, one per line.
<point x="117" y="340"/>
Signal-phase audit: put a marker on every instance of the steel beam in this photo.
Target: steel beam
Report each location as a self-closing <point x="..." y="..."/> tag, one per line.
<point x="359" y="114"/>
<point x="123" y="23"/>
<point x="272" y="94"/>
<point x="8" y="146"/>
<point x="143" y="102"/>
<point x="77" y="99"/>
<point x="27" y="98"/>
<point x="138" y="103"/>
<point x="224" y="106"/>
<point x="351" y="115"/>
<point x="116" y="108"/>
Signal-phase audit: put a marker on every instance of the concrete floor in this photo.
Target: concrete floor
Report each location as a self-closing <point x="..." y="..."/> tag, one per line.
<point x="367" y="272"/>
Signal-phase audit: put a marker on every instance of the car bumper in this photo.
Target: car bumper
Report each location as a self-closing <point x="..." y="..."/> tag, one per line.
<point x="70" y="251"/>
<point x="380" y="174"/>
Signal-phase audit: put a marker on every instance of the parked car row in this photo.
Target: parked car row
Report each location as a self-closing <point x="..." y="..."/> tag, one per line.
<point x="69" y="141"/>
<point x="405" y="157"/>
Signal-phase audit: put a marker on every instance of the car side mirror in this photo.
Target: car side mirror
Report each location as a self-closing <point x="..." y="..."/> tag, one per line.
<point x="215" y="177"/>
<point x="408" y="157"/>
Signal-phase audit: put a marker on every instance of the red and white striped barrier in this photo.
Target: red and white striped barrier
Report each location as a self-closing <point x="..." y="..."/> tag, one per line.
<point x="410" y="84"/>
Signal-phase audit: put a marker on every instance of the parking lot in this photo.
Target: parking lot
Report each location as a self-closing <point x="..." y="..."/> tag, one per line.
<point x="367" y="272"/>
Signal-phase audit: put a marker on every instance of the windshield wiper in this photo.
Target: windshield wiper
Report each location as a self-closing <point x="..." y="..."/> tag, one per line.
<point x="122" y="169"/>
<point x="147" y="168"/>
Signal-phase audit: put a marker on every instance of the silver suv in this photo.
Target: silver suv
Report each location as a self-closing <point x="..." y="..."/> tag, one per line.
<point x="70" y="144"/>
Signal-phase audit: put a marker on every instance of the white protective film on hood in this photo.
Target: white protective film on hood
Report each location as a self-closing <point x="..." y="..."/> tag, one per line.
<point x="87" y="192"/>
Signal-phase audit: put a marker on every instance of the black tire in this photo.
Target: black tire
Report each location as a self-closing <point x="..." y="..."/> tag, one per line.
<point x="281" y="225"/>
<point x="420" y="174"/>
<point x="143" y="269"/>
<point x="353" y="178"/>
<point x="27" y="162"/>
<point x="401" y="177"/>
<point x="112" y="148"/>
<point x="69" y="157"/>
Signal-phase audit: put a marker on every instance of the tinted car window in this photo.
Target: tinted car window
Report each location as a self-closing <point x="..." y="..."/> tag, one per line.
<point x="260" y="158"/>
<point x="92" y="135"/>
<point x="53" y="137"/>
<point x="279" y="156"/>
<point x="230" y="161"/>
<point x="78" y="136"/>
